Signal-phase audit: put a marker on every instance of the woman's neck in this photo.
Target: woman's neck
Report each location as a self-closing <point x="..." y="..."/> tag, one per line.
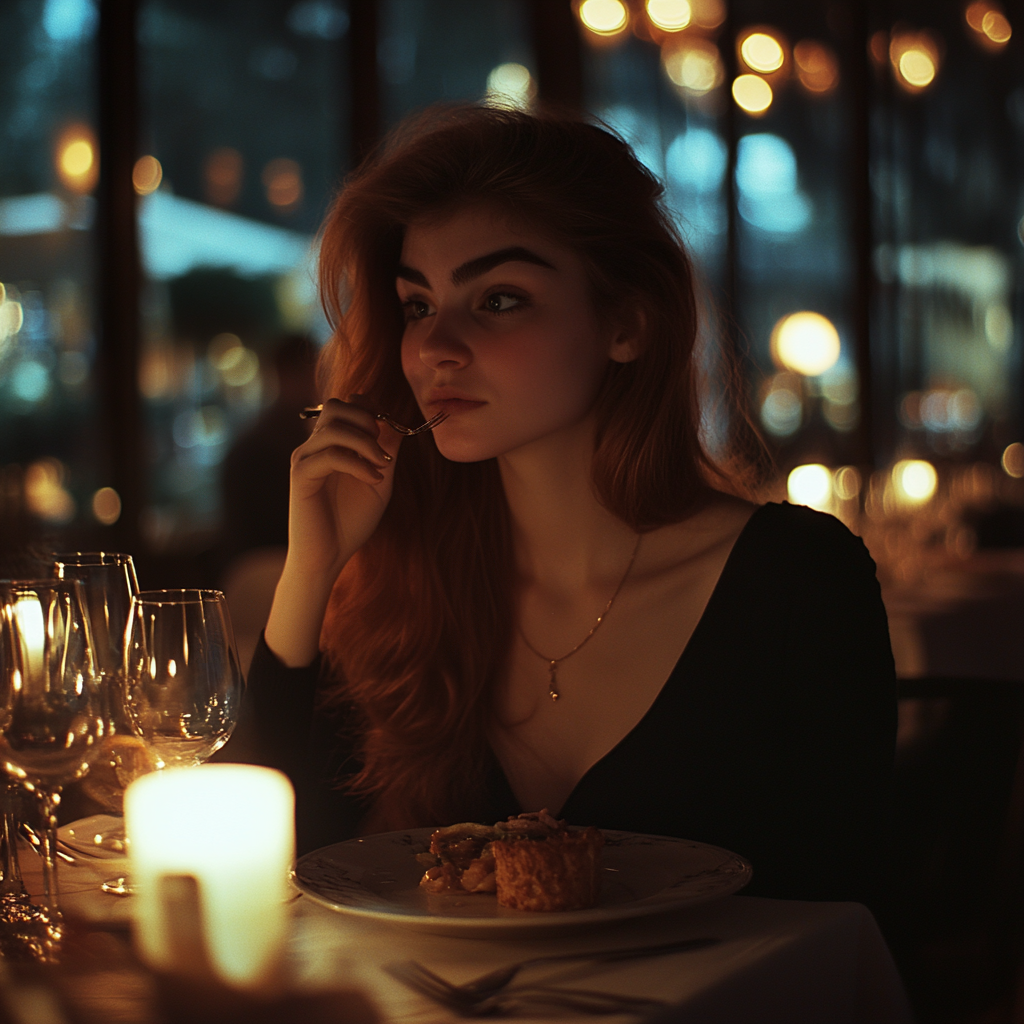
<point x="565" y="538"/>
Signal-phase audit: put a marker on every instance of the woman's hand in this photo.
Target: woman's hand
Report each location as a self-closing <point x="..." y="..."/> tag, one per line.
<point x="341" y="480"/>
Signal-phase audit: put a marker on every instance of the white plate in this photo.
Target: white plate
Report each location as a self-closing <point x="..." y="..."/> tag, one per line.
<point x="378" y="877"/>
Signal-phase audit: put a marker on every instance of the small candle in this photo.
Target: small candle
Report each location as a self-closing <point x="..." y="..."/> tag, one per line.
<point x="232" y="828"/>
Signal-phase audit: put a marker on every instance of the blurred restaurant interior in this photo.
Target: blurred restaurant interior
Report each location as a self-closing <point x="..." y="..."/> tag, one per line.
<point x="849" y="175"/>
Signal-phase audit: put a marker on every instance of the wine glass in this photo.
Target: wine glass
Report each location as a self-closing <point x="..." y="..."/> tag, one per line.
<point x="53" y="716"/>
<point x="108" y="584"/>
<point x="182" y="675"/>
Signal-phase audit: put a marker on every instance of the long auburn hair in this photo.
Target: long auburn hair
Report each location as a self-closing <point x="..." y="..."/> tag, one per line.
<point x="421" y="620"/>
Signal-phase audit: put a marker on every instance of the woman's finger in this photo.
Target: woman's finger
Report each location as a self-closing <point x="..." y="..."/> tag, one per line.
<point x="338" y="431"/>
<point x="335" y="459"/>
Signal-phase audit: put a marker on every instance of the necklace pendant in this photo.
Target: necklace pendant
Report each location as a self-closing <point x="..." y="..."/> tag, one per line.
<point x="553" y="681"/>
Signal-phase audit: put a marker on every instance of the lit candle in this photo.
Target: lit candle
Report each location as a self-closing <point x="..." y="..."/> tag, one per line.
<point x="231" y="827"/>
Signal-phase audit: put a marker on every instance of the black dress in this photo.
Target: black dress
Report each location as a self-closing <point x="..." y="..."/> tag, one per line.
<point x="773" y="736"/>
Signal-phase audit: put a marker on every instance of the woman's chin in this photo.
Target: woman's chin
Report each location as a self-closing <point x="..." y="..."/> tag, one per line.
<point x="466" y="451"/>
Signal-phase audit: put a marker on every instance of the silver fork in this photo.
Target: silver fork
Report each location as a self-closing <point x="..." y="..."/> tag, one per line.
<point x="487" y="986"/>
<point x="313" y="411"/>
<point x="510" y="1000"/>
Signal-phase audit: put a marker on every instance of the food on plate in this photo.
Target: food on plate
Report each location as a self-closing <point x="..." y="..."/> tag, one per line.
<point x="532" y="862"/>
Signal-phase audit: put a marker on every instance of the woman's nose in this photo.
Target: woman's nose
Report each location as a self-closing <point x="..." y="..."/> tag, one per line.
<point x="443" y="345"/>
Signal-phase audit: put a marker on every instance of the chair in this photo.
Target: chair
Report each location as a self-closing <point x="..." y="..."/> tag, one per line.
<point x="958" y="900"/>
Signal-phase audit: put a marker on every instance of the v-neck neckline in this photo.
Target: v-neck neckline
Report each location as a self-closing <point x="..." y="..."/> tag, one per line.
<point x="713" y="599"/>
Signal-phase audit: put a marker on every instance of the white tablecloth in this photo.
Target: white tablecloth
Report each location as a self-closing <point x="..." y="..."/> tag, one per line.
<point x="777" y="960"/>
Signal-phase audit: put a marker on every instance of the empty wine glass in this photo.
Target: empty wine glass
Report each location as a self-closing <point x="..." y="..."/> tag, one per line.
<point x="182" y="675"/>
<point x="108" y="584"/>
<point x="53" y="717"/>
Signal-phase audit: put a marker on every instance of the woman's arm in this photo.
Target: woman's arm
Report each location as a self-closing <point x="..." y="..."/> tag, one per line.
<point x="313" y="750"/>
<point x="341" y="481"/>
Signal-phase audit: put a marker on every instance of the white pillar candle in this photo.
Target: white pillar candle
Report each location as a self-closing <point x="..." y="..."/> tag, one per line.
<point x="232" y="828"/>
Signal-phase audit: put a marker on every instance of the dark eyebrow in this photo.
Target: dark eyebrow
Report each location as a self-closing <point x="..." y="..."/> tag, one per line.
<point x="480" y="265"/>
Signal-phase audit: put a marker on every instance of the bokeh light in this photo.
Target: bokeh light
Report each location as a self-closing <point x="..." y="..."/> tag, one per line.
<point x="762" y="52"/>
<point x="695" y="66"/>
<point x="806" y="343"/>
<point x="282" y="178"/>
<point x="914" y="481"/>
<point x="816" y="67"/>
<point x="996" y="27"/>
<point x="708" y="14"/>
<point x="106" y="506"/>
<point x="1013" y="460"/>
<point x="510" y="85"/>
<point x="669" y="15"/>
<point x="915" y="59"/>
<point x="222" y="176"/>
<point x="846" y="483"/>
<point x="147" y="175"/>
<point x="782" y="404"/>
<point x="77" y="163"/>
<point x="989" y="24"/>
<point x="604" y="17"/>
<point x="12" y="317"/>
<point x="752" y="94"/>
<point x="811" y="485"/>
<point x="45" y="493"/>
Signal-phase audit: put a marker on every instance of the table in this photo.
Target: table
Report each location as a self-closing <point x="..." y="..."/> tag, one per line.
<point x="776" y="961"/>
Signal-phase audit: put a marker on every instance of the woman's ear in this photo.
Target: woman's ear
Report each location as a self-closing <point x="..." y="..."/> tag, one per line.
<point x="630" y="338"/>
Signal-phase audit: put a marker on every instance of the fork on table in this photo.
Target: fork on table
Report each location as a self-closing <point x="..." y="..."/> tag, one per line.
<point x="490" y="994"/>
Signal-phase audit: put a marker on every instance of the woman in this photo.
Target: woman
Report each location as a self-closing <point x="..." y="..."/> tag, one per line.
<point x="558" y="598"/>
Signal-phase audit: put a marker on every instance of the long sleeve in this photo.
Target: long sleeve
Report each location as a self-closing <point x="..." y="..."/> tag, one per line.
<point x="310" y="744"/>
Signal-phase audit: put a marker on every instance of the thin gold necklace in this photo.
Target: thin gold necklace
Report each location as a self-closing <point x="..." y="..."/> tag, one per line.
<point x="553" y="663"/>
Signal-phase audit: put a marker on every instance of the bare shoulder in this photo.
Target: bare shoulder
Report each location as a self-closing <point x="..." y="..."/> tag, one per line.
<point x="709" y="533"/>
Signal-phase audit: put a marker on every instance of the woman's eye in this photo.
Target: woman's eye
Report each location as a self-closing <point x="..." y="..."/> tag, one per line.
<point x="502" y="302"/>
<point x="415" y="309"/>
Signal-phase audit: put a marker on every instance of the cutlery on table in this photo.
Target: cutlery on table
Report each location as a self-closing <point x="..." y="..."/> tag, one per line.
<point x="480" y="994"/>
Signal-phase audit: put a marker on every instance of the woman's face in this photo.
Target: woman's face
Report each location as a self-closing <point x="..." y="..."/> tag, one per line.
<point x="500" y="333"/>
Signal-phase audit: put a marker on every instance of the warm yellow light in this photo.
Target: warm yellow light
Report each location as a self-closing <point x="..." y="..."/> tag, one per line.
<point x="77" y="165"/>
<point x="230" y="827"/>
<point x="806" y="343"/>
<point x="106" y="506"/>
<point x="846" y="483"/>
<point x="915" y="59"/>
<point x="12" y="318"/>
<point x="669" y="15"/>
<point x="752" y="94"/>
<point x="282" y="179"/>
<point x="1013" y="460"/>
<point x="917" y="67"/>
<point x="914" y="480"/>
<point x="510" y="85"/>
<point x="695" y="66"/>
<point x="816" y="66"/>
<point x="76" y="158"/>
<point x="810" y="485"/>
<point x="762" y="52"/>
<point x="147" y="175"/>
<point x="996" y="27"/>
<point x="975" y="13"/>
<point x="604" y="17"/>
<point x="708" y="13"/>
<point x="45" y="494"/>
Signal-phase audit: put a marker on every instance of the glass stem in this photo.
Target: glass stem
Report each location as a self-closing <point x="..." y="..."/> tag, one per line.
<point x="48" y="801"/>
<point x="11" y="884"/>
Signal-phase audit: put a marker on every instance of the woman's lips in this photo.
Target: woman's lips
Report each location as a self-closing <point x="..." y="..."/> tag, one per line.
<point x="454" y="405"/>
